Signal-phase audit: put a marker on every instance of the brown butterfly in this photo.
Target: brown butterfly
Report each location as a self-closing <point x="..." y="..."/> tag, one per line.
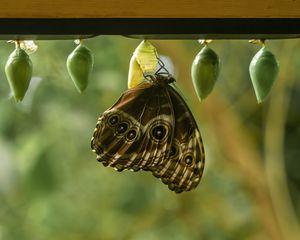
<point x="151" y="128"/>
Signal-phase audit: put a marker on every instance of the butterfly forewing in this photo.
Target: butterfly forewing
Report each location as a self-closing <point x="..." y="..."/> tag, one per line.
<point x="136" y="132"/>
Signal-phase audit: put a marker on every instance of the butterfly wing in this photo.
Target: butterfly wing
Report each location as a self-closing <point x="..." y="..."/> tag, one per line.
<point x="183" y="169"/>
<point x="137" y="131"/>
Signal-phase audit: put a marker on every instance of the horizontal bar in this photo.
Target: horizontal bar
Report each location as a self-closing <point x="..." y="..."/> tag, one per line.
<point x="158" y="28"/>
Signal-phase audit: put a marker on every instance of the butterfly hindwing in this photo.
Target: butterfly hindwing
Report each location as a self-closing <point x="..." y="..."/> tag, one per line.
<point x="183" y="169"/>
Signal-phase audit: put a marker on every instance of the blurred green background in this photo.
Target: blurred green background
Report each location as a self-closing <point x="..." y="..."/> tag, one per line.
<point x="52" y="187"/>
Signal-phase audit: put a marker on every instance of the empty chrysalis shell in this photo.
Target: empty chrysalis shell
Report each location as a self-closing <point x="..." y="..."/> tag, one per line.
<point x="144" y="60"/>
<point x="263" y="72"/>
<point x="18" y="70"/>
<point x="135" y="73"/>
<point x="205" y="71"/>
<point x="80" y="64"/>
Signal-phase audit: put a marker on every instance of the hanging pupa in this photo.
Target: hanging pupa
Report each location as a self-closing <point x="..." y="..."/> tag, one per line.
<point x="205" y="71"/>
<point x="263" y="70"/>
<point x="18" y="70"/>
<point x="80" y="64"/>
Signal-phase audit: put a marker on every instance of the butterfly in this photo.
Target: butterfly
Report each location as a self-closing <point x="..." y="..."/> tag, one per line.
<point x="151" y="128"/>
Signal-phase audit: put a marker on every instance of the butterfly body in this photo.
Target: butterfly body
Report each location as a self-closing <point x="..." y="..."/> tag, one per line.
<point x="151" y="128"/>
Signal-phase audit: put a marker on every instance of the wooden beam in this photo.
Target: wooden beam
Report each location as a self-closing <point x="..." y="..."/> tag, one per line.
<point x="150" y="9"/>
<point x="163" y="19"/>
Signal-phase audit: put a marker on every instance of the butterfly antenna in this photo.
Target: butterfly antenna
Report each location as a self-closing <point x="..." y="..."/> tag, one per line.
<point x="147" y="76"/>
<point x="162" y="66"/>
